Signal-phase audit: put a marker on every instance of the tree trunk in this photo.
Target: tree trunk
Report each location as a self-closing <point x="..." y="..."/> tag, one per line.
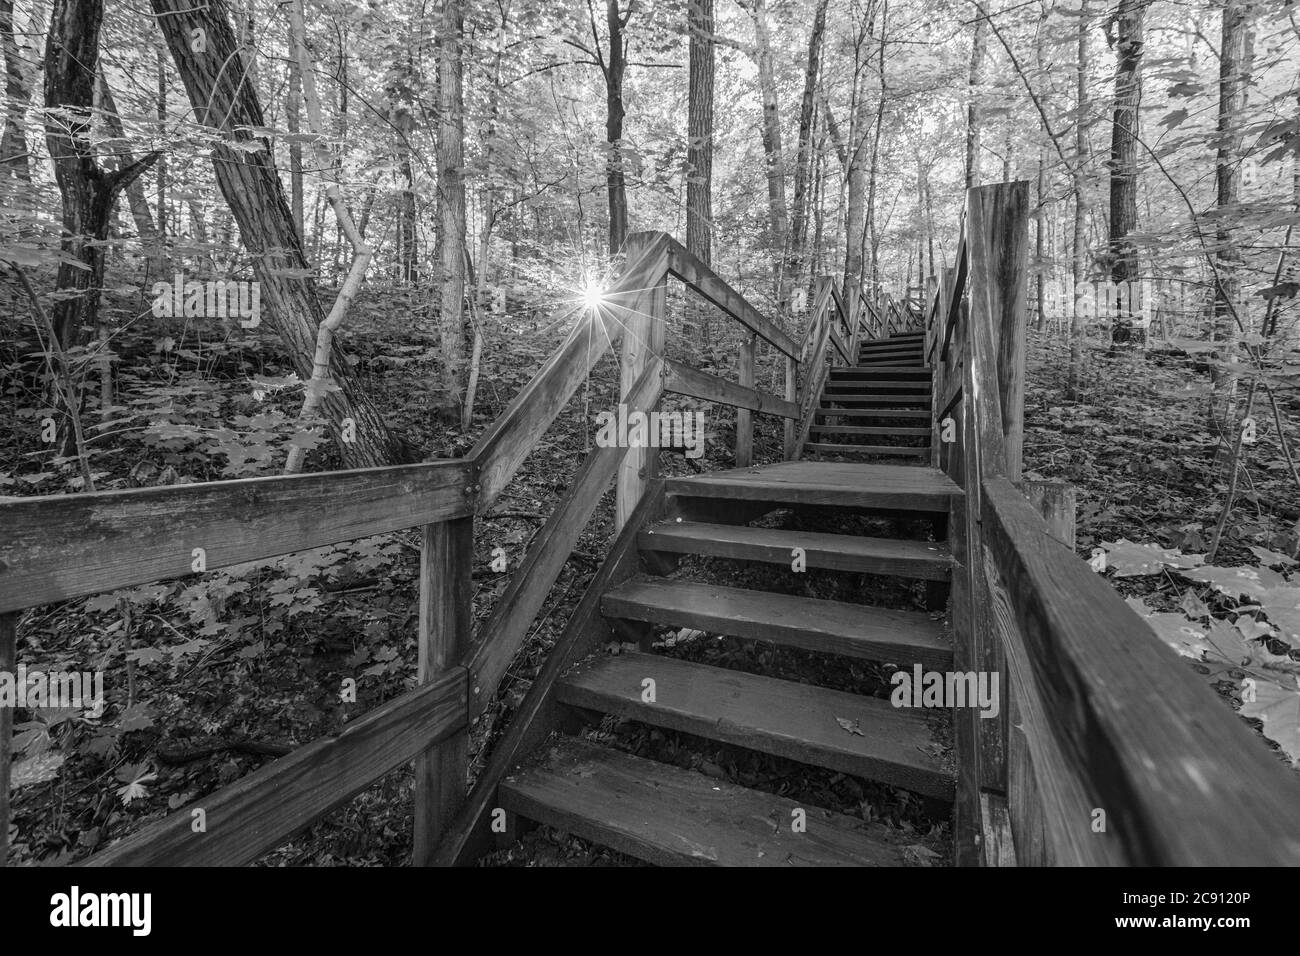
<point x="451" y="205"/>
<point x="699" y="132"/>
<point x="772" y="153"/>
<point x="89" y="192"/>
<point x="615" y="180"/>
<point x="20" y="80"/>
<point x="1128" y="41"/>
<point x="252" y="188"/>
<point x="799" y="225"/>
<point x="973" y="105"/>
<point x="292" y="109"/>
<point x="1236" y="62"/>
<point x="1078" y="247"/>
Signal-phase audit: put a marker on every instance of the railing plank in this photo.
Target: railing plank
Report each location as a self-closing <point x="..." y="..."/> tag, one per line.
<point x="505" y="445"/>
<point x="683" y="380"/>
<point x="703" y="280"/>
<point x="503" y="633"/>
<point x="67" y="546"/>
<point x="1180" y="777"/>
<point x="260" y="811"/>
<point x="641" y="345"/>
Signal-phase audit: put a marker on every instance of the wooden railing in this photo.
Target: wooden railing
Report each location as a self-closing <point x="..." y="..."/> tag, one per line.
<point x="1108" y="749"/>
<point x="63" y="547"/>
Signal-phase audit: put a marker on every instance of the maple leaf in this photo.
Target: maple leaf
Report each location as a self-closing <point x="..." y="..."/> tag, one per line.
<point x="135" y="777"/>
<point x="1133" y="560"/>
<point x="1279" y="708"/>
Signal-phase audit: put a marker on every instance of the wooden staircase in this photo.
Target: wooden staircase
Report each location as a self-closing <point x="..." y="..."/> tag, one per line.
<point x="878" y="407"/>
<point x="667" y="815"/>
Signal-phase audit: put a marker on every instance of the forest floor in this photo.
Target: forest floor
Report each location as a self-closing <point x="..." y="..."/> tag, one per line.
<point x="202" y="673"/>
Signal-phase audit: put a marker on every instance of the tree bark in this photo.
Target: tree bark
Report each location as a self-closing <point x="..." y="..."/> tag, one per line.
<point x="615" y="70"/>
<point x="89" y="192"/>
<point x="292" y="110"/>
<point x="1125" y="129"/>
<point x="772" y="152"/>
<point x="252" y="188"/>
<point x="699" y="132"/>
<point x="803" y="166"/>
<point x="973" y="118"/>
<point x="20" y="79"/>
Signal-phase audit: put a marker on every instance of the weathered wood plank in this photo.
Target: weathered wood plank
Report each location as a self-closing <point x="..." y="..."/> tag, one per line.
<point x="539" y="713"/>
<point x="1007" y="206"/>
<point x="683" y="380"/>
<point x="707" y="283"/>
<point x="8" y="662"/>
<point x="744" y="418"/>
<point x="260" y="811"/>
<point x="503" y="633"/>
<point x="446" y="616"/>
<point x="642" y="346"/>
<point x="1161" y="754"/>
<point x="673" y="817"/>
<point x="509" y="439"/>
<point x="67" y="546"/>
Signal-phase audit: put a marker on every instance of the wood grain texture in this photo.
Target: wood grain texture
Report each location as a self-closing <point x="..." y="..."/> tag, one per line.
<point x="67" y="546"/>
<point x="707" y="283"/>
<point x="903" y="638"/>
<point x="260" y="811"/>
<point x="683" y="380"/>
<point x="796" y="721"/>
<point x="446" y="615"/>
<point x="673" y="817"/>
<point x="539" y="713"/>
<point x="845" y="484"/>
<point x="642" y="347"/>
<point x="1160" y="753"/>
<point x="926" y="560"/>
<point x="744" y="419"/>
<point x="501" y="636"/>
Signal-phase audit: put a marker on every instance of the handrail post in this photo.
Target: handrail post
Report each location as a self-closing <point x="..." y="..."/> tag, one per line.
<point x="791" y="395"/>
<point x="446" y="616"/>
<point x="643" y="339"/>
<point x="744" y="417"/>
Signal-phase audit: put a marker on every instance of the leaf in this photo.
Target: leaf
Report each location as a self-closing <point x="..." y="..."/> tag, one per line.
<point x="1282" y="605"/>
<point x="1234" y="582"/>
<point x="918" y="854"/>
<point x="34" y="770"/>
<point x="850" y="725"/>
<point x="1185" y="637"/>
<point x="1193" y="606"/>
<point x="1279" y="708"/>
<point x="1133" y="560"/>
<point x="1174" y="119"/>
<point x="135" y="717"/>
<point x="1272" y="558"/>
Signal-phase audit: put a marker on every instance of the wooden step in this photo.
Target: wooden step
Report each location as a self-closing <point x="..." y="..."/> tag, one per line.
<point x="869" y="430"/>
<point x="850" y="375"/>
<point x="829" y="411"/>
<point x="928" y="560"/>
<point x="831" y="448"/>
<point x="673" y="817"/>
<point x="878" y="351"/>
<point x="888" y="371"/>
<point x="797" y="721"/>
<point x="848" y="393"/>
<point x="828" y="627"/>
<point x="838" y="484"/>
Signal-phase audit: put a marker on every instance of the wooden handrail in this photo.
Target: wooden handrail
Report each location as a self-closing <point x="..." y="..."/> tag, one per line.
<point x="1181" y="780"/>
<point x="507" y="442"/>
<point x="59" y="547"/>
<point x="707" y="283"/>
